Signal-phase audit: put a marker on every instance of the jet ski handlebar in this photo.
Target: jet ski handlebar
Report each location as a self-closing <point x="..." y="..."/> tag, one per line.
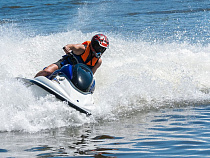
<point x="72" y="58"/>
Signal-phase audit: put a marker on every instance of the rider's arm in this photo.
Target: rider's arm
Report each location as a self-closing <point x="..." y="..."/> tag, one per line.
<point x="98" y="64"/>
<point x="77" y="49"/>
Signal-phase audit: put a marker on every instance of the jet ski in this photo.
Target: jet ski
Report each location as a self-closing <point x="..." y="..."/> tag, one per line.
<point x="73" y="84"/>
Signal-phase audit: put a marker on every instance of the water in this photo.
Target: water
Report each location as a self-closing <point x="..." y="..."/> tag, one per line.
<point x="152" y="90"/>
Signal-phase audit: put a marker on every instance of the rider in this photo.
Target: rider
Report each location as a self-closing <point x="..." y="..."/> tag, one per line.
<point x="89" y="53"/>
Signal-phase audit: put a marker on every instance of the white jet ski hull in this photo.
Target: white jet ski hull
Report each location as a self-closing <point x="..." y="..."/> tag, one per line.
<point x="64" y="90"/>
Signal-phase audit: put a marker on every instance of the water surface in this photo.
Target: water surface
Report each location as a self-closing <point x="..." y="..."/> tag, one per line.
<point x="152" y="90"/>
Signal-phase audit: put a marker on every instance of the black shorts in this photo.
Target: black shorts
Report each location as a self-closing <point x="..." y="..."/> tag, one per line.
<point x="60" y="62"/>
<point x="65" y="60"/>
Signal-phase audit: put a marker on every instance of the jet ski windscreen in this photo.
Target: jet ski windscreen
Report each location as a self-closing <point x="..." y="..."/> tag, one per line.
<point x="82" y="77"/>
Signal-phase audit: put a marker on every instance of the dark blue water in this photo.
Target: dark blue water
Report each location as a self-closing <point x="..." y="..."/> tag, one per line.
<point x="152" y="91"/>
<point x="155" y="19"/>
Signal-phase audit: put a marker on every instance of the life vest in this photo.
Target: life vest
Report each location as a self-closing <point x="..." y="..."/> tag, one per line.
<point x="86" y="54"/>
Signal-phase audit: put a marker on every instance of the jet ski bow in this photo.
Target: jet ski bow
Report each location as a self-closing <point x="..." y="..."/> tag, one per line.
<point x="73" y="84"/>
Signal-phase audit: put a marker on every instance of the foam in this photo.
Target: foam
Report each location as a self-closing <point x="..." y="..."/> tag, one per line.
<point x="135" y="75"/>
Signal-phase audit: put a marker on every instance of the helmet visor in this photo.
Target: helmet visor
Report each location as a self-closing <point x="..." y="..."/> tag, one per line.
<point x="98" y="48"/>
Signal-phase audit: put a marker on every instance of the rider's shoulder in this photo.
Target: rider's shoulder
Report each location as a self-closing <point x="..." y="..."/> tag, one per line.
<point x="78" y="49"/>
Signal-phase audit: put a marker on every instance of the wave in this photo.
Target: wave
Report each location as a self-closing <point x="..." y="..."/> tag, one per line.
<point x="195" y="10"/>
<point x="135" y="76"/>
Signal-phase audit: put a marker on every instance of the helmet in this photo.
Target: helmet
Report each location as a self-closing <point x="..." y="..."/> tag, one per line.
<point x="99" y="44"/>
